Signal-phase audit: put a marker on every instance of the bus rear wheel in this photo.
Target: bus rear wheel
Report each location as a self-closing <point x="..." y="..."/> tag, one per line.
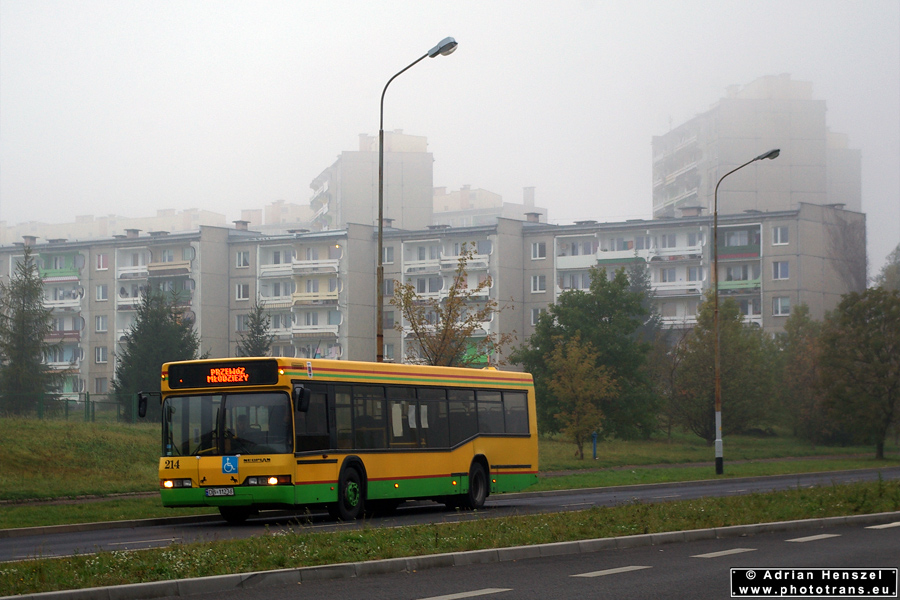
<point x="478" y="487"/>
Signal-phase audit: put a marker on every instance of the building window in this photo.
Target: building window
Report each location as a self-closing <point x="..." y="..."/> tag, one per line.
<point x="242" y="322"/>
<point x="388" y="255"/>
<point x="780" y="270"/>
<point x="389" y="287"/>
<point x="668" y="240"/>
<point x="667" y="275"/>
<point x="642" y="242"/>
<point x="388" y="352"/>
<point x="538" y="283"/>
<point x="538" y="250"/>
<point x="312" y="319"/>
<point x="781" y="306"/>
<point x="100" y="322"/>
<point x="167" y="256"/>
<point x="242" y="291"/>
<point x="695" y="274"/>
<point x="312" y="286"/>
<point x="102" y="292"/>
<point x="101" y="385"/>
<point x="100" y="355"/>
<point x="780" y="235"/>
<point x="483" y="247"/>
<point x="737" y="238"/>
<point x="102" y="262"/>
<point x="243" y="259"/>
<point x="536" y="315"/>
<point x="388" y="319"/>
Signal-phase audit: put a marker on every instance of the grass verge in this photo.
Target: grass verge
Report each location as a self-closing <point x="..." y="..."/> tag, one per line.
<point x="297" y="548"/>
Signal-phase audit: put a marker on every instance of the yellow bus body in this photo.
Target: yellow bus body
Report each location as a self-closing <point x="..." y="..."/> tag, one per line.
<point x="239" y="482"/>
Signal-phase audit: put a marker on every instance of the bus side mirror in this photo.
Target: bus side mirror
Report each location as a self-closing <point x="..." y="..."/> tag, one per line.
<point x="301" y="396"/>
<point x="142" y="404"/>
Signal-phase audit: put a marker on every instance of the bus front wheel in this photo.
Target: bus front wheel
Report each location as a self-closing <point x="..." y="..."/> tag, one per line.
<point x="350" y="496"/>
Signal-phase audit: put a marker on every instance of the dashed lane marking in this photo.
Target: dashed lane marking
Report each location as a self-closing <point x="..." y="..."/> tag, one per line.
<point x="814" y="538"/>
<point x="724" y="553"/>
<point x="472" y="594"/>
<point x="612" y="571"/>
<point x="885" y="525"/>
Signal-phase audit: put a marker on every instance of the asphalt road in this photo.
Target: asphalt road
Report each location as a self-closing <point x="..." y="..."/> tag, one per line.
<point x="697" y="570"/>
<point x="68" y="540"/>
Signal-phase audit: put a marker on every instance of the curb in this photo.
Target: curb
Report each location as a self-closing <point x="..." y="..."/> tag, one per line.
<point x="283" y="577"/>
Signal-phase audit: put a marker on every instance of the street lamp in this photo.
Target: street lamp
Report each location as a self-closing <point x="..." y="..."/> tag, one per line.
<point x="771" y="154"/>
<point x="444" y="47"/>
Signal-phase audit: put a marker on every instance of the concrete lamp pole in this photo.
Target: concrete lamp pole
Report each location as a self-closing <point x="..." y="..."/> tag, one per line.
<point x="444" y="47"/>
<point x="720" y="464"/>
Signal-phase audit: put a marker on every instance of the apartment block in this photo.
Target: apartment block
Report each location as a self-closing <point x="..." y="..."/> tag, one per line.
<point x="816" y="166"/>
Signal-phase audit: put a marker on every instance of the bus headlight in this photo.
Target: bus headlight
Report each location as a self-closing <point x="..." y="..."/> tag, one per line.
<point x="175" y="483"/>
<point x="269" y="480"/>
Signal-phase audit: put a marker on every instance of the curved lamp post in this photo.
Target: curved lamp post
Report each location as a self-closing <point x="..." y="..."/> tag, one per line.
<point x="444" y="47"/>
<point x="771" y="154"/>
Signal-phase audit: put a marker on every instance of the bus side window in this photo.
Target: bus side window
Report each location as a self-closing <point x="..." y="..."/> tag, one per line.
<point x="312" y="425"/>
<point x="515" y="409"/>
<point x="463" y="419"/>
<point x="402" y="409"/>
<point x="434" y="423"/>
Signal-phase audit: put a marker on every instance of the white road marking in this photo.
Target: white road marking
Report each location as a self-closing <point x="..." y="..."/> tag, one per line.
<point x="472" y="594"/>
<point x="611" y="571"/>
<point x="724" y="553"/>
<point x="814" y="538"/>
<point x="885" y="525"/>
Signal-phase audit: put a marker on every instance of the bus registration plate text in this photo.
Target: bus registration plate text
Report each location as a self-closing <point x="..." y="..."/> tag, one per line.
<point x="219" y="492"/>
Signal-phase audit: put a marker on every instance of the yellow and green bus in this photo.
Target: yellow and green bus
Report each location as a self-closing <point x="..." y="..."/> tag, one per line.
<point x="249" y="434"/>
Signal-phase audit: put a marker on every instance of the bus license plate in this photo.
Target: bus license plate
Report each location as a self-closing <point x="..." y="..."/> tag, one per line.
<point x="219" y="492"/>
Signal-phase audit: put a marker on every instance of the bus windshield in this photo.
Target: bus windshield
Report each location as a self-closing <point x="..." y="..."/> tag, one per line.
<point x="240" y="423"/>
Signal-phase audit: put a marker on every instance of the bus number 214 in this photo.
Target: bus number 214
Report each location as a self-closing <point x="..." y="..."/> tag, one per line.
<point x="173" y="464"/>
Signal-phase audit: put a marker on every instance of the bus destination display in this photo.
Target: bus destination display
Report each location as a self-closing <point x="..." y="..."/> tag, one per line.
<point x="199" y="375"/>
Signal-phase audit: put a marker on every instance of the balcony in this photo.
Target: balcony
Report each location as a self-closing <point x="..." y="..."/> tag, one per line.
<point x="128" y="302"/>
<point x="678" y="252"/>
<point x="302" y="298"/>
<point x="136" y="272"/>
<point x="315" y="330"/>
<point x="282" y="270"/>
<point x="272" y="302"/>
<point x="685" y="321"/>
<point x="72" y="301"/>
<point x="69" y="335"/>
<point x="165" y="269"/>
<point x="675" y="174"/>
<point x="426" y="266"/>
<point x="677" y="287"/>
<point x="478" y="262"/>
<point x="744" y="284"/>
<point x="748" y="251"/>
<point x="311" y="267"/>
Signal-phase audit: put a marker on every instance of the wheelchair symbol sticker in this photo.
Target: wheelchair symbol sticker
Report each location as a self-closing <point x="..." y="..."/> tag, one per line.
<point x="229" y="464"/>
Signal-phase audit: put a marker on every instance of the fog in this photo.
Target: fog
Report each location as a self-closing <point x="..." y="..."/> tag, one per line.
<point x="125" y="107"/>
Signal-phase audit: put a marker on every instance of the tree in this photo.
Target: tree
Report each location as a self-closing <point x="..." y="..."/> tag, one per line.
<point x="25" y="381"/>
<point x="889" y="277"/>
<point x="639" y="282"/>
<point x="257" y="340"/>
<point x="161" y="333"/>
<point x="746" y="367"/>
<point x="580" y="387"/>
<point x="800" y="395"/>
<point x="446" y="331"/>
<point x="608" y="316"/>
<point x="861" y="363"/>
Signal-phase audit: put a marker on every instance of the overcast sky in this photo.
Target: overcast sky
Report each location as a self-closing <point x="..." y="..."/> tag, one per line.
<point x="128" y="106"/>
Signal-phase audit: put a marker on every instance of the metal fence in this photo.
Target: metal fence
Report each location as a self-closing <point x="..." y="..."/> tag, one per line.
<point x="71" y="407"/>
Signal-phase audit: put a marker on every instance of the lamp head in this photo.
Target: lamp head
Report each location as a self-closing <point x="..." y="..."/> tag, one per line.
<point x="771" y="154"/>
<point x="444" y="47"/>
